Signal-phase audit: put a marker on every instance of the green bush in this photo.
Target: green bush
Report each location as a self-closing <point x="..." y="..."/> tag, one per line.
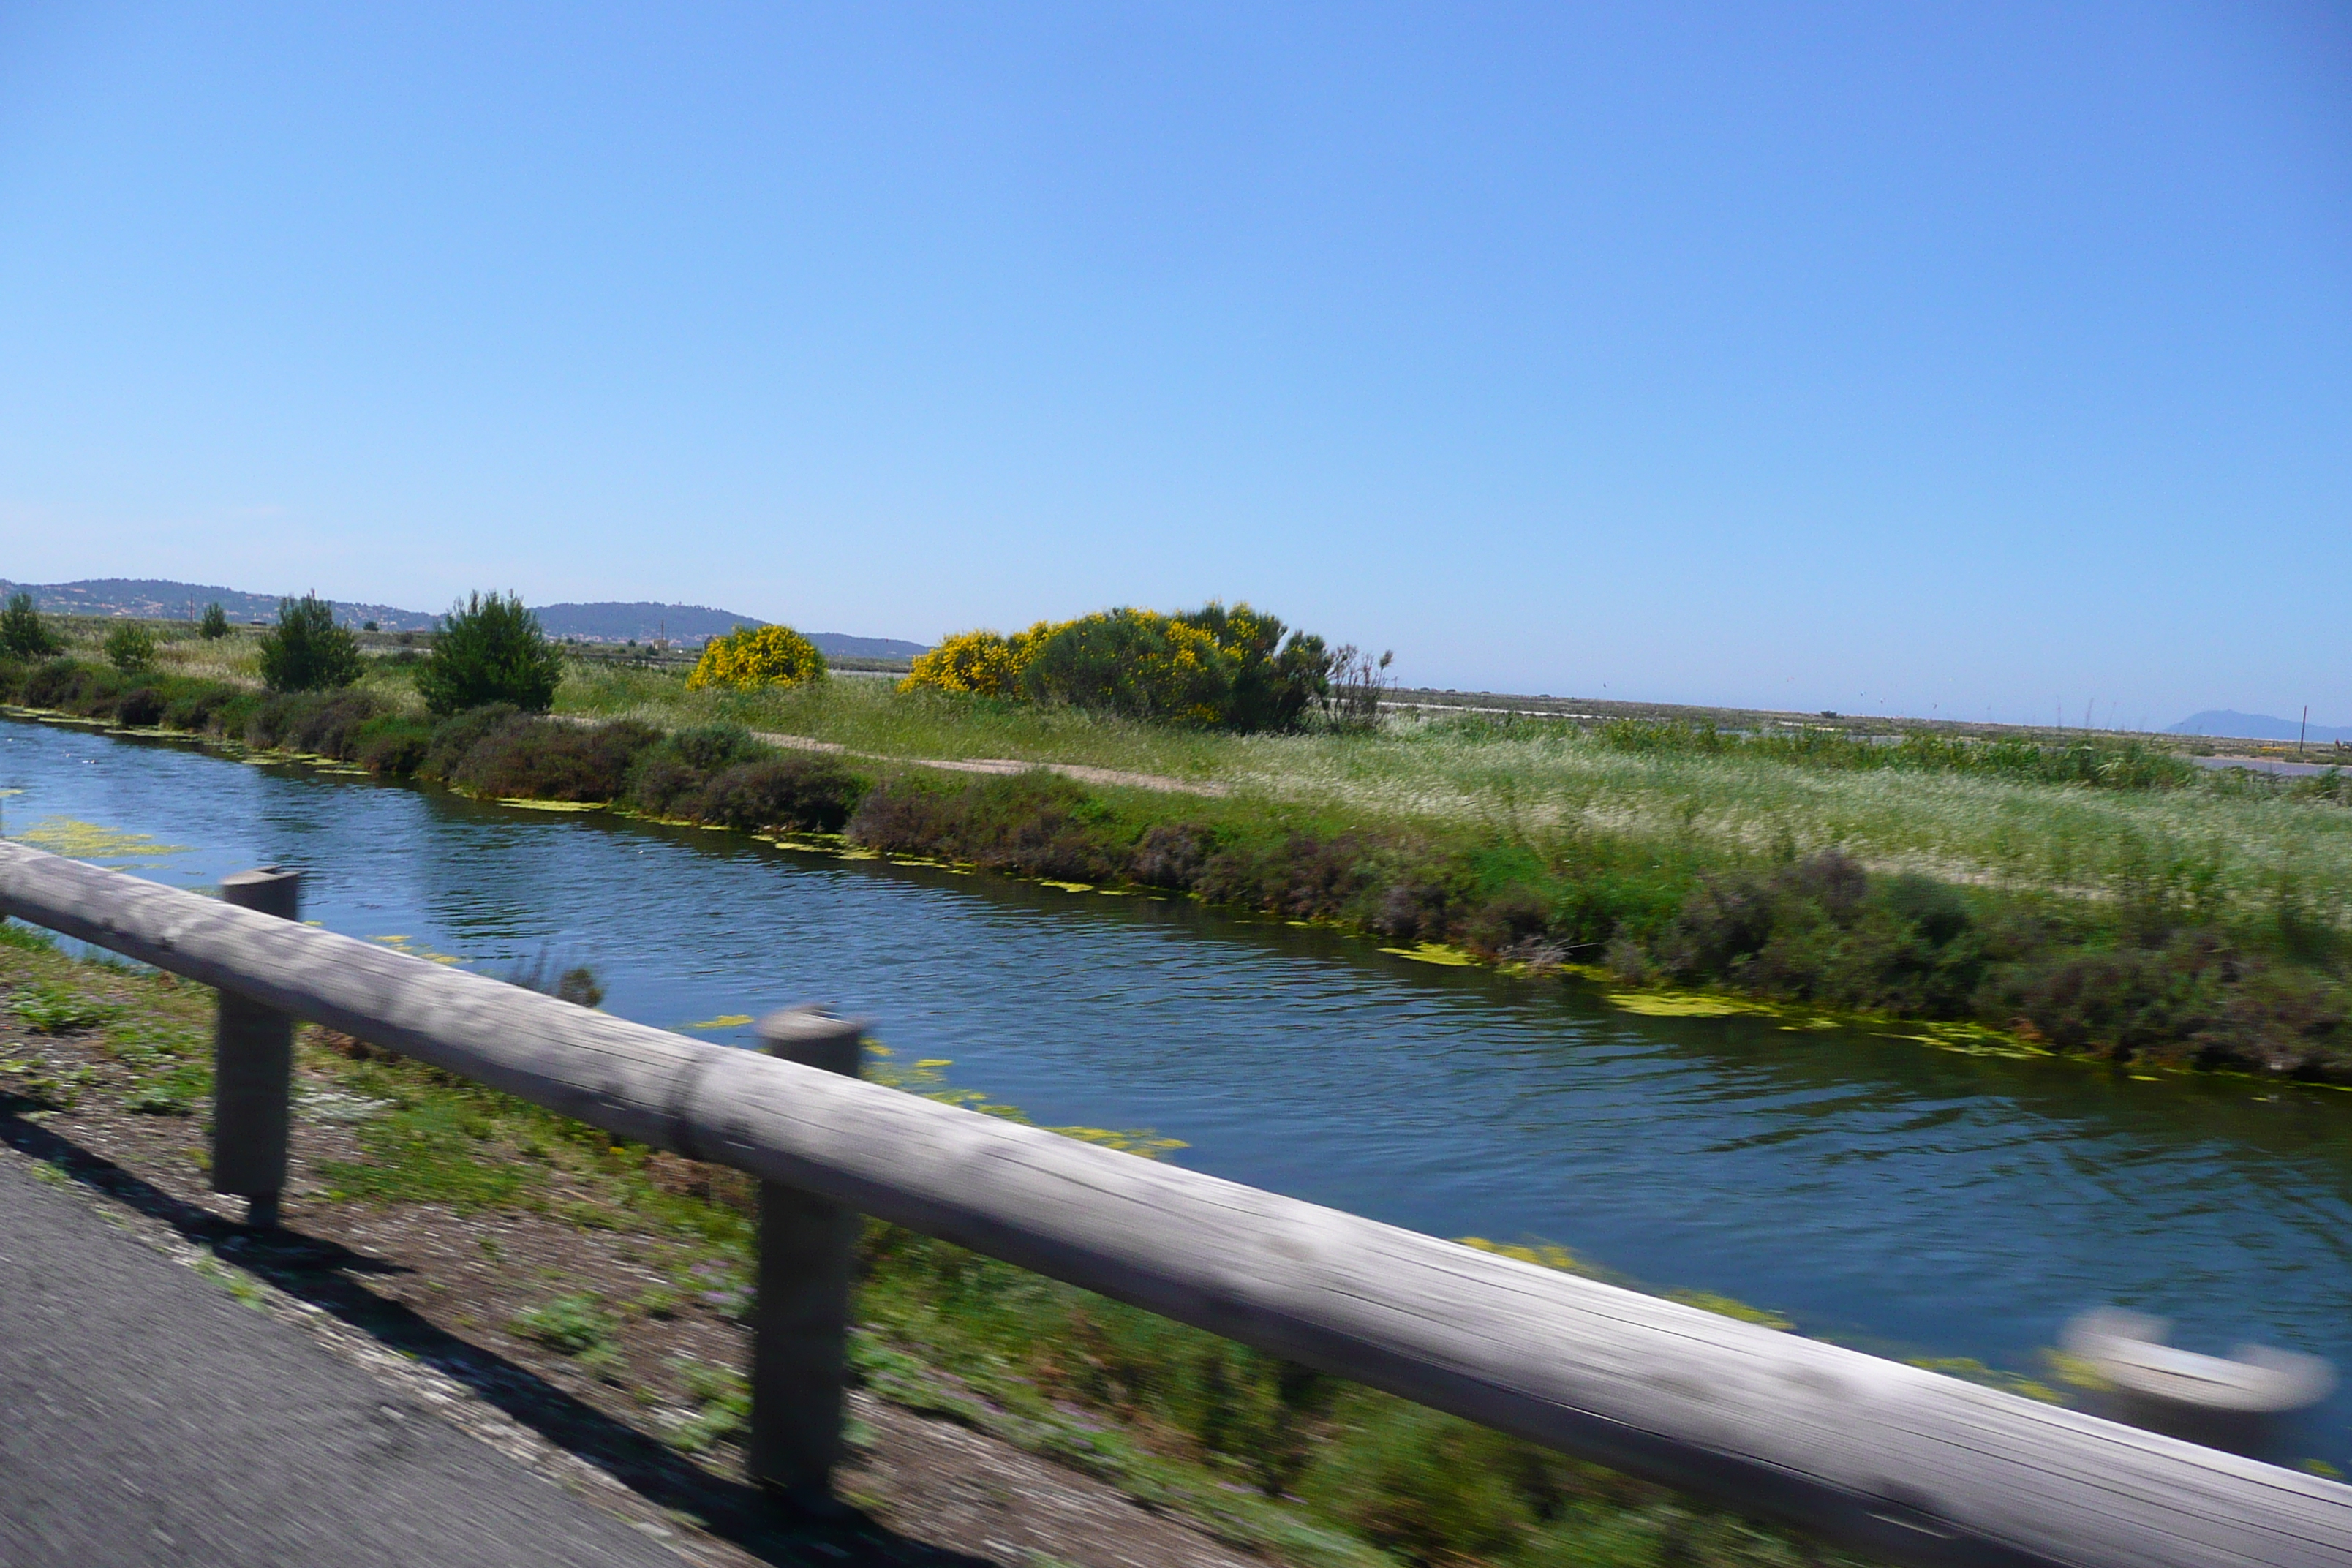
<point x="24" y="633"/>
<point x="1136" y="662"/>
<point x="811" y="792"/>
<point x="392" y="745"/>
<point x="215" y="623"/>
<point x="1274" y="682"/>
<point x="307" y="651"/>
<point x="129" y="646"/>
<point x="490" y="650"/>
<point x="139" y="708"/>
<point x="539" y="759"/>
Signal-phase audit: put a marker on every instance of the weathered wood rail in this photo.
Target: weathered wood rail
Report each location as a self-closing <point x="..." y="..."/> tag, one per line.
<point x="1894" y="1460"/>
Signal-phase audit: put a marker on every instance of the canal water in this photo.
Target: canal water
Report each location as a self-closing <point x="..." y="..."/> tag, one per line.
<point x="1880" y="1192"/>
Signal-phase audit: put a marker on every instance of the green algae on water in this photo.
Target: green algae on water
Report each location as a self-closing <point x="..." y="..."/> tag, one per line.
<point x="78" y="840"/>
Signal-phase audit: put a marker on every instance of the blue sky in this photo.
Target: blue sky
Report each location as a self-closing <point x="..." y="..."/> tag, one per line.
<point x="1968" y="359"/>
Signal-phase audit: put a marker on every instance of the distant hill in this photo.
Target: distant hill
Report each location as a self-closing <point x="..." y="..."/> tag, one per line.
<point x="611" y="621"/>
<point x="152" y="599"/>
<point x="614" y="622"/>
<point x="2252" y="727"/>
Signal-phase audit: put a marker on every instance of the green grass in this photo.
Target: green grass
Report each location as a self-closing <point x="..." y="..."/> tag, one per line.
<point x="1554" y="784"/>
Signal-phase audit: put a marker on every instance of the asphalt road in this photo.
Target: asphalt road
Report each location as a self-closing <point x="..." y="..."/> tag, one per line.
<point x="147" y="1417"/>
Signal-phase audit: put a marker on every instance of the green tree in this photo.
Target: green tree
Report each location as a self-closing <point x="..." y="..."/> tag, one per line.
<point x="130" y="646"/>
<point x="215" y="623"/>
<point x="23" y="632"/>
<point x="306" y="651"/>
<point x="490" y="650"/>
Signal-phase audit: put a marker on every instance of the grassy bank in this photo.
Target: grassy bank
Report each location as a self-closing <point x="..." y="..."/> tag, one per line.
<point x="2094" y="896"/>
<point x="456" y="1217"/>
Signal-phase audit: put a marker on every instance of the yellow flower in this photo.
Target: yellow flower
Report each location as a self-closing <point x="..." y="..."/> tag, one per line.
<point x="756" y="656"/>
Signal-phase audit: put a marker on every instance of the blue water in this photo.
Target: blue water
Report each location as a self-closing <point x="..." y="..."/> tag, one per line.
<point x="1904" y="1199"/>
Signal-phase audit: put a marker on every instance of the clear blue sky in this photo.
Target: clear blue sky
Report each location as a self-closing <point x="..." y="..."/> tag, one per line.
<point x="1921" y="358"/>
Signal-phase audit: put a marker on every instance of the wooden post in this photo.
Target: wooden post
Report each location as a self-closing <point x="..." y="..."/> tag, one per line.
<point x="806" y="1248"/>
<point x="253" y="1067"/>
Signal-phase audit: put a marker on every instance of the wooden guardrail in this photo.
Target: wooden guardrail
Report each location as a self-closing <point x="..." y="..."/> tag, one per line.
<point x="1891" y="1460"/>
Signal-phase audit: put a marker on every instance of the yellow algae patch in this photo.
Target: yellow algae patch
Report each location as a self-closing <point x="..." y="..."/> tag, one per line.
<point x="926" y="1078"/>
<point x="1652" y="1004"/>
<point x="78" y="840"/>
<point x="402" y="946"/>
<point x="724" y="1021"/>
<point x="522" y="805"/>
<point x="1433" y="952"/>
<point x="1967" y="1369"/>
<point x="1066" y="887"/>
<point x="1542" y="1254"/>
<point x="1724" y="1306"/>
<point x="1126" y="1139"/>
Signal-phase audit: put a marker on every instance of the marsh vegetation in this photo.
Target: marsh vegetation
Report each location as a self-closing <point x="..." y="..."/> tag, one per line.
<point x="2097" y="895"/>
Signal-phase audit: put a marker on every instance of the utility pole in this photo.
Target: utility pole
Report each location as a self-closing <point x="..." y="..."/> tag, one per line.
<point x="2303" y="731"/>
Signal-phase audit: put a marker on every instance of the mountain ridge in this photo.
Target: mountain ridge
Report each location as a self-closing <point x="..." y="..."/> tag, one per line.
<point x="610" y="620"/>
<point x="2228" y="724"/>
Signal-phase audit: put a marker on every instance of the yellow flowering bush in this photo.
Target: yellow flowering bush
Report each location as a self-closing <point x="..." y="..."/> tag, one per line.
<point x="756" y="656"/>
<point x="1211" y="666"/>
<point x="980" y="663"/>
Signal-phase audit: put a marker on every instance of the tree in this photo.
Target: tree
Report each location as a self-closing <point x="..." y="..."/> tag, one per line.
<point x="215" y="623"/>
<point x="129" y="646"/>
<point x="23" y="632"/>
<point x="306" y="651"/>
<point x="489" y="649"/>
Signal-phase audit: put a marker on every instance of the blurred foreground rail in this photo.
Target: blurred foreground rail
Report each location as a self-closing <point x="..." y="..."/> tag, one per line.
<point x="1894" y="1460"/>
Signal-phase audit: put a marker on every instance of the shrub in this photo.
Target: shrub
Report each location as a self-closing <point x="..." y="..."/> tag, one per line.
<point x="130" y="646"/>
<point x="541" y="758"/>
<point x="756" y="656"/>
<point x="1033" y="825"/>
<point x="660" y="782"/>
<point x="1227" y="668"/>
<point x="24" y="633"/>
<point x="1274" y="681"/>
<point x="307" y="651"/>
<point x="489" y="650"/>
<point x="710" y="748"/>
<point x="214" y="622"/>
<point x="1140" y="663"/>
<point x="194" y="709"/>
<point x="454" y="737"/>
<point x="392" y="745"/>
<point x="813" y="793"/>
<point x="980" y="663"/>
<point x="324" y="724"/>
<point x="139" y="708"/>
